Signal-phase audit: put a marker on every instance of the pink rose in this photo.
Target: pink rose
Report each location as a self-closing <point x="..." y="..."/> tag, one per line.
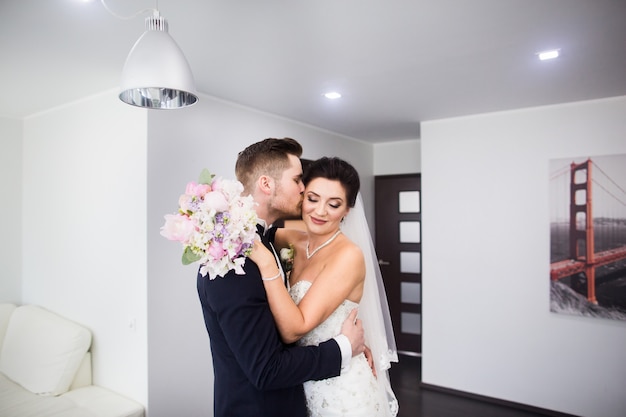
<point x="216" y="250"/>
<point x="198" y="190"/>
<point x="177" y="227"/>
<point x="217" y="184"/>
<point x="216" y="200"/>
<point x="184" y="202"/>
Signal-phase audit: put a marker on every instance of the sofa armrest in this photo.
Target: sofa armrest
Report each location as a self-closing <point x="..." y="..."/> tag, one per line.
<point x="101" y="402"/>
<point x="42" y="351"/>
<point x="83" y="375"/>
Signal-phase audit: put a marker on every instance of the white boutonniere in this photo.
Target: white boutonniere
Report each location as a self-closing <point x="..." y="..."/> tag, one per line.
<point x="286" y="257"/>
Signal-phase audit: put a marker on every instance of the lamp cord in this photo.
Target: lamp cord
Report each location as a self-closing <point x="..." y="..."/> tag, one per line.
<point x="155" y="10"/>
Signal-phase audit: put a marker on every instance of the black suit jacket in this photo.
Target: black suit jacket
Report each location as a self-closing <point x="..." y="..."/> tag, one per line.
<point x="256" y="374"/>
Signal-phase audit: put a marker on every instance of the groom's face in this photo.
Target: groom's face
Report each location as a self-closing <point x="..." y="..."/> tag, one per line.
<point x="287" y="198"/>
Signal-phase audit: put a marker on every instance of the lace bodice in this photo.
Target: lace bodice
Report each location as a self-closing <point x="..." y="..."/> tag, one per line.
<point x="355" y="392"/>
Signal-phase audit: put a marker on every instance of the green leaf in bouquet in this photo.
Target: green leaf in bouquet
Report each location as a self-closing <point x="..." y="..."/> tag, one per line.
<point x="189" y="256"/>
<point x="205" y="177"/>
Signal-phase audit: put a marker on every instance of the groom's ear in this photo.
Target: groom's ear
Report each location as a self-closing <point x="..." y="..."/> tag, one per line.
<point x="265" y="184"/>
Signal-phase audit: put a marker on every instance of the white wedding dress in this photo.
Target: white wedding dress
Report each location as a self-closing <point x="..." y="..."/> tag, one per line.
<point x="354" y="393"/>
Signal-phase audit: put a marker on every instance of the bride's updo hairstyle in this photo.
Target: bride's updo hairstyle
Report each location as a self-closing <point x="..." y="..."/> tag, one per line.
<point x="338" y="170"/>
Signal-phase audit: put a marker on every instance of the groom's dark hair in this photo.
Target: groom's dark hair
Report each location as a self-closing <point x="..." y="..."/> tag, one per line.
<point x="267" y="157"/>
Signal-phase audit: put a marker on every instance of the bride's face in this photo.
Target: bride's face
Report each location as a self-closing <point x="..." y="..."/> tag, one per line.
<point x="324" y="205"/>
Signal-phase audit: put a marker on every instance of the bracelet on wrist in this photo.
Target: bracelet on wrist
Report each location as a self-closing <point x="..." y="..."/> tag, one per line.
<point x="272" y="278"/>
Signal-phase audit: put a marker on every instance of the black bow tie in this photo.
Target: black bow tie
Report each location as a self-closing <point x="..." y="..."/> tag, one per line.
<point x="265" y="232"/>
<point x="267" y="236"/>
<point x="264" y="236"/>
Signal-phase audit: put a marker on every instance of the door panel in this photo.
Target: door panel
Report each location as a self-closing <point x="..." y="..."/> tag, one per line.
<point x="399" y="249"/>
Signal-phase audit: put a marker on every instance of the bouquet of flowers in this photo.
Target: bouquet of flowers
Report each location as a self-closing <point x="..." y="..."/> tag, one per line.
<point x="215" y="224"/>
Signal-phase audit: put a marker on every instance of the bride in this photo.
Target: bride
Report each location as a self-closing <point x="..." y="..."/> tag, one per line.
<point x="334" y="270"/>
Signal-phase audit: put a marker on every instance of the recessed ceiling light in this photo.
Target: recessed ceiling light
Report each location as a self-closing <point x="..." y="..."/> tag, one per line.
<point x="551" y="54"/>
<point x="332" y="95"/>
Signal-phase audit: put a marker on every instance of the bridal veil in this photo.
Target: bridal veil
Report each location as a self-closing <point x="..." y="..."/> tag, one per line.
<point x="373" y="308"/>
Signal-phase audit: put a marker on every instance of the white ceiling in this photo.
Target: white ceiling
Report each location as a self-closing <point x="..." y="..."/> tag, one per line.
<point x="396" y="62"/>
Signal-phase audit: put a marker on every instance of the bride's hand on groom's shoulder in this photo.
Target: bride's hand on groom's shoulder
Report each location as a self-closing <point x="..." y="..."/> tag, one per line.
<point x="262" y="256"/>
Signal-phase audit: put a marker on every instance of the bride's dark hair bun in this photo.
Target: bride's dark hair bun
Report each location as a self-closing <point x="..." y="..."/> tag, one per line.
<point x="333" y="168"/>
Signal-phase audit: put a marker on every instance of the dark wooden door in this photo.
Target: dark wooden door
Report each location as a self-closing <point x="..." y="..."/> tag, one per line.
<point x="399" y="250"/>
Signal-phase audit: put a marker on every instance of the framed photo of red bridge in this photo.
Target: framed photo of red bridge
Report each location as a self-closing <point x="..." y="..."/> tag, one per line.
<point x="588" y="236"/>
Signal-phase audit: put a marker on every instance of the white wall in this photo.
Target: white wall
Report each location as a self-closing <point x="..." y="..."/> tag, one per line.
<point x="400" y="157"/>
<point x="487" y="328"/>
<point x="98" y="176"/>
<point x="182" y="143"/>
<point x="84" y="229"/>
<point x="11" y="210"/>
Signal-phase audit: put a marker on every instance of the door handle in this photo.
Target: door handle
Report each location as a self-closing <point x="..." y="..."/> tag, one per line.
<point x="381" y="262"/>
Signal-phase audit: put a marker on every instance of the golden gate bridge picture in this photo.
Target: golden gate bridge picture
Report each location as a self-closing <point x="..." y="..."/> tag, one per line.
<point x="588" y="236"/>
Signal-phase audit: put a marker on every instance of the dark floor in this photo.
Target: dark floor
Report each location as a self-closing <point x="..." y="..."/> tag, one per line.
<point x="416" y="401"/>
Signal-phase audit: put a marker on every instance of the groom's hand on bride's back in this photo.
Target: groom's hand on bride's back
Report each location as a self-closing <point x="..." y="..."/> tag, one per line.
<point x="353" y="329"/>
<point x="370" y="360"/>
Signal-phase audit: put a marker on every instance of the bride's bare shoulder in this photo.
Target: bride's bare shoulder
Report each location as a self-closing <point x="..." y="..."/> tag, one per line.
<point x="346" y="251"/>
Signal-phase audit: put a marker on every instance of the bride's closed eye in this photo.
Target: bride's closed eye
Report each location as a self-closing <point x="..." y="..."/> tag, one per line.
<point x="332" y="205"/>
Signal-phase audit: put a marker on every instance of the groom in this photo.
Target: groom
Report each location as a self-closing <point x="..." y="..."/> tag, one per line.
<point x="256" y="375"/>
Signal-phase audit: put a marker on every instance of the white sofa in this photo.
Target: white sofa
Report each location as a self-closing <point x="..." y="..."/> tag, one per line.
<point x="45" y="368"/>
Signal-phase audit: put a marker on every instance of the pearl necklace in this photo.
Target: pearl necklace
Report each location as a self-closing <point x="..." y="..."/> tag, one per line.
<point x="308" y="256"/>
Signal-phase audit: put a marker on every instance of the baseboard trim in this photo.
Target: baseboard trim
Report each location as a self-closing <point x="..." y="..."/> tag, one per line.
<point x="505" y="403"/>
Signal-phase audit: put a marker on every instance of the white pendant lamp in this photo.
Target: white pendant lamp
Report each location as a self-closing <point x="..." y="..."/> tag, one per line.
<point x="156" y="74"/>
